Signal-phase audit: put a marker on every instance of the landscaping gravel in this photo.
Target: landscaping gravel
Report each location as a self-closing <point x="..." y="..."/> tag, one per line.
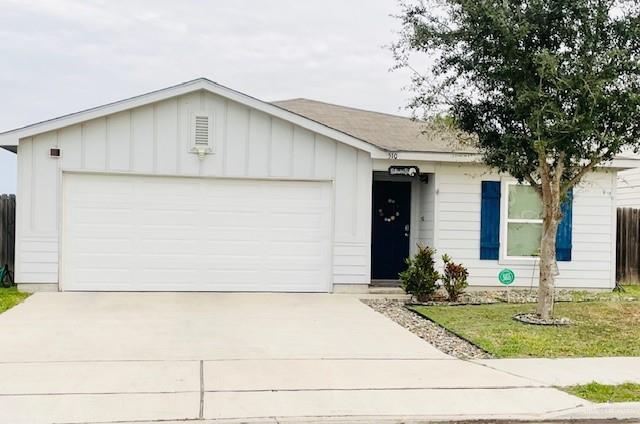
<point x="520" y="295"/>
<point x="534" y="319"/>
<point x="442" y="339"/>
<point x="478" y="297"/>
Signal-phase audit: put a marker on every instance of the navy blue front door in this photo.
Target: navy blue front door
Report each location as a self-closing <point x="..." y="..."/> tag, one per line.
<point x="390" y="228"/>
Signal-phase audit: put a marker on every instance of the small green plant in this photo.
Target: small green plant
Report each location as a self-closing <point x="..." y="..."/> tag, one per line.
<point x="420" y="279"/>
<point x="454" y="278"/>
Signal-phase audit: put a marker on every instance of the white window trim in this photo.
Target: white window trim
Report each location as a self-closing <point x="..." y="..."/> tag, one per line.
<point x="210" y="147"/>
<point x="505" y="259"/>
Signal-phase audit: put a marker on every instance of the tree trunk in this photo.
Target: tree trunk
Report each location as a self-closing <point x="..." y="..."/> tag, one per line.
<point x="548" y="265"/>
<point x="551" y="216"/>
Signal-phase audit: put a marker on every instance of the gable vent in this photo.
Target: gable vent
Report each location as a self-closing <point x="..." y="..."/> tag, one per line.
<point x="202" y="130"/>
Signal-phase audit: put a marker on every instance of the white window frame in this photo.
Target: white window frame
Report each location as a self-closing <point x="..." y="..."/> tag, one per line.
<point x="504" y="221"/>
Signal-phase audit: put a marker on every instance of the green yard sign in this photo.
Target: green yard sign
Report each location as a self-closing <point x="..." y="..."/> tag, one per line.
<point x="506" y="276"/>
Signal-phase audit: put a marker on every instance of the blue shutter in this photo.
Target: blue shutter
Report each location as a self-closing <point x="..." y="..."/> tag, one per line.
<point x="490" y="220"/>
<point x="563" y="238"/>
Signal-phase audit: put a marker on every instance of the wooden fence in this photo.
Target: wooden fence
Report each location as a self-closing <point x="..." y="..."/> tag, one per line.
<point x="7" y="230"/>
<point x="628" y="245"/>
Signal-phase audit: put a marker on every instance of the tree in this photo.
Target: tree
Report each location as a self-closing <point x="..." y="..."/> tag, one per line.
<point x="551" y="89"/>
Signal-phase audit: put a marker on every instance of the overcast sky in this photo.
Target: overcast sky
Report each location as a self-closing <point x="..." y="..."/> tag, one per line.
<point x="61" y="56"/>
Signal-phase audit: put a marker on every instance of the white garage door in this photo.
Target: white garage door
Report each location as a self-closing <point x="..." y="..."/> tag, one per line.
<point x="138" y="233"/>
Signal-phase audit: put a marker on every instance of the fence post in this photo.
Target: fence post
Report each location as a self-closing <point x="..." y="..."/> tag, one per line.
<point x="628" y="245"/>
<point x="7" y="230"/>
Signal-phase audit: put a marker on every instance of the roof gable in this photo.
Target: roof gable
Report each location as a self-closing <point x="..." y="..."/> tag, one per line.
<point x="11" y="138"/>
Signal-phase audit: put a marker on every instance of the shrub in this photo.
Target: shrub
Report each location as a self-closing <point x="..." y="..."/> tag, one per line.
<point x="420" y="279"/>
<point x="454" y="278"/>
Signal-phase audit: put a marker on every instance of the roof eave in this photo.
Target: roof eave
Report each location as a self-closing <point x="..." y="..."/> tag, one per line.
<point x="11" y="138"/>
<point x="428" y="156"/>
<point x="619" y="163"/>
<point x="8" y="140"/>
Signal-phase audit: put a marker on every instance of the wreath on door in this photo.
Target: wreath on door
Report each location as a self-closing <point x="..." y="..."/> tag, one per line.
<point x="390" y="212"/>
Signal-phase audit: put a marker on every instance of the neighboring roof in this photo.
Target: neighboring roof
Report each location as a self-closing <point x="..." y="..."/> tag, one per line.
<point x="389" y="132"/>
<point x="11" y="138"/>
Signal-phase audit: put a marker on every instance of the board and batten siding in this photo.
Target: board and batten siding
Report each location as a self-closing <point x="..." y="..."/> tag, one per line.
<point x="458" y="229"/>
<point x="155" y="140"/>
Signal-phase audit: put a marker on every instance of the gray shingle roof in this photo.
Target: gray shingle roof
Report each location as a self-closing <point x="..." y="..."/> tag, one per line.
<point x="389" y="132"/>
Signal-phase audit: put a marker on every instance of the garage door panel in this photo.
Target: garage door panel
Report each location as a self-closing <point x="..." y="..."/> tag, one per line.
<point x="238" y="219"/>
<point x="157" y="278"/>
<point x="226" y="234"/>
<point x="239" y="249"/>
<point x="102" y="230"/>
<point x="105" y="260"/>
<point x="102" y="275"/>
<point x="162" y="233"/>
<point x="300" y="235"/>
<point x="94" y="215"/>
<point x="168" y="261"/>
<point x="289" y="220"/>
<point x="159" y="246"/>
<point x="110" y="244"/>
<point x="167" y="234"/>
<point x="286" y="249"/>
<point x="161" y="217"/>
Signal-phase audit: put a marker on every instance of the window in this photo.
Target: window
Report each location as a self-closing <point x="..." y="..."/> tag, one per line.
<point x="523" y="222"/>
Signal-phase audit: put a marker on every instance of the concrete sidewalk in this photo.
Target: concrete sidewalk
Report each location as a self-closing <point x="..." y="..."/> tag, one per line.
<point x="115" y="391"/>
<point x="570" y="371"/>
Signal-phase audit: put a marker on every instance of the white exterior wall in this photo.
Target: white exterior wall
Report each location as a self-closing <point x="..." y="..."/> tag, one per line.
<point x="426" y="216"/>
<point x="628" y="194"/>
<point x="458" y="195"/>
<point x="155" y="140"/>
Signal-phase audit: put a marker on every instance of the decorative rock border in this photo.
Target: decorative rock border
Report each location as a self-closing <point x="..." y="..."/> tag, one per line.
<point x="521" y="296"/>
<point x="438" y="336"/>
<point x="534" y="319"/>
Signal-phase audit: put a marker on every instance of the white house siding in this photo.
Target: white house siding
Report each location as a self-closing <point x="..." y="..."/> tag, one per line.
<point x="628" y="194"/>
<point x="426" y="211"/>
<point x="458" y="229"/>
<point x="155" y="140"/>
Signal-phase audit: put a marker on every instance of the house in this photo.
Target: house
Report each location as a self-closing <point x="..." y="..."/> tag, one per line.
<point x="198" y="187"/>
<point x="628" y="191"/>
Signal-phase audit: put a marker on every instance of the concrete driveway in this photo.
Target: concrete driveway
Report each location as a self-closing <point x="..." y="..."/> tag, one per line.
<point x="106" y="357"/>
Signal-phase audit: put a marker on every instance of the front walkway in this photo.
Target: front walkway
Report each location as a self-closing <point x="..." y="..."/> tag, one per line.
<point x="91" y="357"/>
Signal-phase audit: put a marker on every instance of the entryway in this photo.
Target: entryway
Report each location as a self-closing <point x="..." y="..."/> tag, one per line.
<point x="391" y="229"/>
<point x="403" y="216"/>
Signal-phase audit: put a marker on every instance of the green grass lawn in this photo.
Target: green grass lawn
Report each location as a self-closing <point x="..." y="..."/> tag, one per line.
<point x="10" y="298"/>
<point x="600" y="393"/>
<point x="607" y="327"/>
